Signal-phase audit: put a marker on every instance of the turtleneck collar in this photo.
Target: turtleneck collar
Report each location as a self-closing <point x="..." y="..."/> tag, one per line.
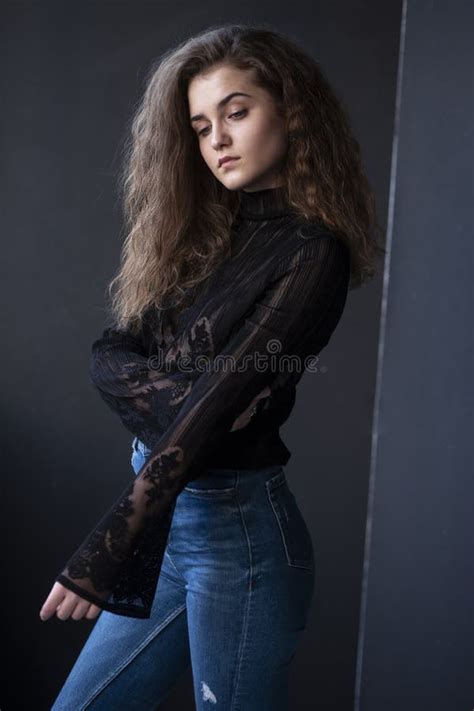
<point x="264" y="204"/>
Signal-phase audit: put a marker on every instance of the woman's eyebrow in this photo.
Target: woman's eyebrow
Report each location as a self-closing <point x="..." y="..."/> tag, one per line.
<point x="221" y="103"/>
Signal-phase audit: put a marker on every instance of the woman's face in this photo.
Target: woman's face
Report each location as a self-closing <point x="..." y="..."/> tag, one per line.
<point x="245" y="126"/>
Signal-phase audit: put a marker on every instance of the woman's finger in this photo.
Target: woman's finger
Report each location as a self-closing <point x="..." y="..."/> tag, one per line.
<point x="81" y="609"/>
<point x="68" y="605"/>
<point x="54" y="599"/>
<point x="93" y="612"/>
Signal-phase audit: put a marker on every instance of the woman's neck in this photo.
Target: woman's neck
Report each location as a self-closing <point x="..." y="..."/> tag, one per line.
<point x="264" y="204"/>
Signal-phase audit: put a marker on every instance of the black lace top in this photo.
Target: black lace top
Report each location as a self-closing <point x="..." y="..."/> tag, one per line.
<point x="251" y="328"/>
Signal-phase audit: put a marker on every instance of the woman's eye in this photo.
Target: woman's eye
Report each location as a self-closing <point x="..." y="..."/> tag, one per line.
<point x="236" y="114"/>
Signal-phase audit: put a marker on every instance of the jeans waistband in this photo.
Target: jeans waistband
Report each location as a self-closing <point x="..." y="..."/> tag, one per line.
<point x="221" y="478"/>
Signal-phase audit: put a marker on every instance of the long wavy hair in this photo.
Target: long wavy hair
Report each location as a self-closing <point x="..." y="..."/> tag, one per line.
<point x="178" y="216"/>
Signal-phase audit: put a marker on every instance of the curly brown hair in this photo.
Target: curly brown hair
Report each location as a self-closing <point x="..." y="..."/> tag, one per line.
<point x="178" y="216"/>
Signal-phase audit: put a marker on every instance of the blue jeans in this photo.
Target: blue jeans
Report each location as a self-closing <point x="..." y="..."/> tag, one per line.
<point x="232" y="602"/>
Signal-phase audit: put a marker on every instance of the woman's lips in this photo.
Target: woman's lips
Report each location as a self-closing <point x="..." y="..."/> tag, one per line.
<point x="227" y="162"/>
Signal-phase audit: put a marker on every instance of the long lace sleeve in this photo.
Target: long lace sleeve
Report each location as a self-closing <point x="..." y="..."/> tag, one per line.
<point x="118" y="565"/>
<point x="145" y="397"/>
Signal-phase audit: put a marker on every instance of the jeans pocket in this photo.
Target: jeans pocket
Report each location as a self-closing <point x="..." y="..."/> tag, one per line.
<point x="295" y="534"/>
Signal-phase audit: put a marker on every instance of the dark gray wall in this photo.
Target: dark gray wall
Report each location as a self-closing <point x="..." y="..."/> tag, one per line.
<point x="417" y="623"/>
<point x="73" y="74"/>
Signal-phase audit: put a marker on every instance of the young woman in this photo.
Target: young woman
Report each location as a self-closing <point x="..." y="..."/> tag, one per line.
<point x="249" y="218"/>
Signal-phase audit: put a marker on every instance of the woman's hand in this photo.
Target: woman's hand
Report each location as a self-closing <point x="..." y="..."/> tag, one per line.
<point x="67" y="604"/>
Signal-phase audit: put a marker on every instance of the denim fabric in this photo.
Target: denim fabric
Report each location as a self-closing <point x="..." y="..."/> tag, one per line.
<point x="232" y="602"/>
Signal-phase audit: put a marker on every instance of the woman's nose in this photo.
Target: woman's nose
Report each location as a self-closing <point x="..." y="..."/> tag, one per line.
<point x="219" y="138"/>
